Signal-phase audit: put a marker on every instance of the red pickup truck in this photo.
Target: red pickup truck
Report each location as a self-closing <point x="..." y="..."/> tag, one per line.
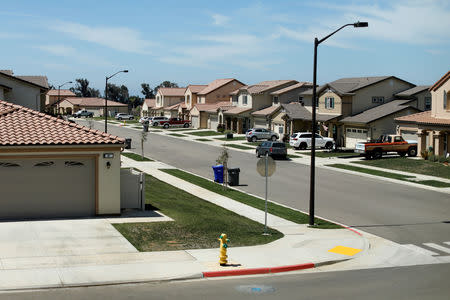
<point x="386" y="143"/>
<point x="175" y="122"/>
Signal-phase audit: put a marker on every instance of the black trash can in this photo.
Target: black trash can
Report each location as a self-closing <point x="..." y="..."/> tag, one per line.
<point x="229" y="135"/>
<point x="145" y="126"/>
<point x="233" y="176"/>
<point x="128" y="143"/>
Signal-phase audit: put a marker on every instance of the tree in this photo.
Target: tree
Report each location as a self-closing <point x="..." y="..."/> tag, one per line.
<point x="118" y="93"/>
<point x="143" y="140"/>
<point x="147" y="91"/>
<point x="82" y="89"/>
<point x="165" y="84"/>
<point x="135" y="101"/>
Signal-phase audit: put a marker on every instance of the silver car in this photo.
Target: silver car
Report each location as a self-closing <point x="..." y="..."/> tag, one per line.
<point x="255" y="134"/>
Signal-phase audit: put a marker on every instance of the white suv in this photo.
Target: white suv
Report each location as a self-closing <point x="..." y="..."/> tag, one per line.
<point x="302" y="140"/>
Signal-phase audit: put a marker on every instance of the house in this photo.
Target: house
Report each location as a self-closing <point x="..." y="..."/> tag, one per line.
<point x="190" y="96"/>
<point x="175" y="111"/>
<point x="420" y="94"/>
<point x="433" y="126"/>
<point x="372" y="123"/>
<point x="147" y="106"/>
<point x="96" y="105"/>
<point x="248" y="99"/>
<point x="54" y="96"/>
<point x="218" y="91"/>
<point x="51" y="168"/>
<point x="208" y="115"/>
<point x="166" y="97"/>
<point x="28" y="91"/>
<point x="263" y="117"/>
<point x="347" y="97"/>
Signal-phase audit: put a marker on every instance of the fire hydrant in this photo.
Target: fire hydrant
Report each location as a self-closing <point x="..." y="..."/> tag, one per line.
<point x="223" y="249"/>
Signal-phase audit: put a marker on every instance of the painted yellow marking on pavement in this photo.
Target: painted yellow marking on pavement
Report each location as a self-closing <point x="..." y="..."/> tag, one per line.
<point x="345" y="250"/>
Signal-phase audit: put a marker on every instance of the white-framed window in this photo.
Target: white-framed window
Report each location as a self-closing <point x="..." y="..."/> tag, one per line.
<point x="280" y="129"/>
<point x="234" y="99"/>
<point x="427" y="103"/>
<point x="378" y="99"/>
<point x="244" y="100"/>
<point x="329" y="102"/>
<point x="275" y="99"/>
<point x="158" y="101"/>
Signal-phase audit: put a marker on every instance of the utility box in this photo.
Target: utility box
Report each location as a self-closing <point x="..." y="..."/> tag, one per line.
<point x="132" y="189"/>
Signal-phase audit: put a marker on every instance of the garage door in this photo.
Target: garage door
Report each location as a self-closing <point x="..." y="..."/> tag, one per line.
<point x="410" y="135"/>
<point x="194" y="120"/>
<point x="47" y="188"/>
<point x="354" y="135"/>
<point x="214" y="122"/>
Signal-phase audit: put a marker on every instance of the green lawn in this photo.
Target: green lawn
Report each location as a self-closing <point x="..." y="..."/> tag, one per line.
<point x="418" y="166"/>
<point x="203" y="140"/>
<point x="409" y="178"/>
<point x="180" y="129"/>
<point x="135" y="156"/>
<point x="275" y="209"/>
<point x="332" y="154"/>
<point x="237" y="146"/>
<point x="293" y="156"/>
<point x="236" y="138"/>
<point x="176" y="134"/>
<point x="197" y="223"/>
<point x="205" y="133"/>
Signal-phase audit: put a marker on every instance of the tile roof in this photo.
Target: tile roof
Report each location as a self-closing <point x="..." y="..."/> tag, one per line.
<point x="424" y="118"/>
<point x="224" y="105"/>
<point x="54" y="92"/>
<point x="379" y="112"/>
<point x="292" y="87"/>
<point x="150" y="102"/>
<point x="40" y="81"/>
<point x="216" y="84"/>
<point x="172" y="92"/>
<point x="266" y="111"/>
<point x="237" y="110"/>
<point x="92" y="102"/>
<point x="196" y="88"/>
<point x="440" y="82"/>
<point x="297" y="111"/>
<point x="262" y="86"/>
<point x="173" y="107"/>
<point x="413" y="91"/>
<point x="212" y="107"/>
<point x="20" y="126"/>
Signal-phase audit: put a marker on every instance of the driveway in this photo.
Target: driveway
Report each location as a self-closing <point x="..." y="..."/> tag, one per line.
<point x="44" y="243"/>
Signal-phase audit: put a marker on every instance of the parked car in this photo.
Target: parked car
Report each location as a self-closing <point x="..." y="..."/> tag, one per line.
<point x="156" y="121"/>
<point x="145" y="119"/>
<point x="302" y="140"/>
<point x="386" y="143"/>
<point x="175" y="122"/>
<point x="274" y="149"/>
<point x="122" y="116"/>
<point x="83" y="113"/>
<point x="255" y="134"/>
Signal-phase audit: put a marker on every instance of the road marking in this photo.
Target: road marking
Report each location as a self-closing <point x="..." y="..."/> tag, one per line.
<point x="345" y="250"/>
<point x="419" y="249"/>
<point x="438" y="247"/>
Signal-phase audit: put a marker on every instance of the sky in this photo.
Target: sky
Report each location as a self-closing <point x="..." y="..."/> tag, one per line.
<point x="195" y="42"/>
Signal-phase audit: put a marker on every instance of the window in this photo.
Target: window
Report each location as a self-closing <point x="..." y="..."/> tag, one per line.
<point x="280" y="129"/>
<point x="300" y="99"/>
<point x="244" y="100"/>
<point x="398" y="139"/>
<point x="349" y="130"/>
<point x="427" y="103"/>
<point x="378" y="99"/>
<point x="445" y="100"/>
<point x="329" y="102"/>
<point x="275" y="99"/>
<point x="234" y="99"/>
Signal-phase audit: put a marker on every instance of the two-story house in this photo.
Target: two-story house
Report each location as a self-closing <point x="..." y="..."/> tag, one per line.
<point x="433" y="126"/>
<point x="147" y="106"/>
<point x="166" y="97"/>
<point x="54" y="96"/>
<point x="250" y="98"/>
<point x="28" y="91"/>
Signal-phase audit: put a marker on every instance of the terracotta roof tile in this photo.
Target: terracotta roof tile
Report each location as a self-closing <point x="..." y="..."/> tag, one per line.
<point x="54" y="92"/>
<point x="92" y="102"/>
<point x="263" y="86"/>
<point x="266" y="111"/>
<point x="150" y="102"/>
<point x="172" y="91"/>
<point x="440" y="81"/>
<point x="20" y="126"/>
<point x="217" y="84"/>
<point x="196" y="88"/>
<point x="423" y="118"/>
<point x="237" y="110"/>
<point x="292" y="87"/>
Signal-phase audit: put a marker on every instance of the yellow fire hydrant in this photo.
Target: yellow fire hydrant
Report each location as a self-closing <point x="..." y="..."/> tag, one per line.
<point x="223" y="249"/>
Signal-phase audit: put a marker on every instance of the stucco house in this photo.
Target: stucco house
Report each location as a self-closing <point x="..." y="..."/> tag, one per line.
<point x="28" y="91"/>
<point x="420" y="94"/>
<point x="147" y="106"/>
<point x="166" y="97"/>
<point x="207" y="115"/>
<point x="218" y="91"/>
<point x="433" y="126"/>
<point x="54" y="96"/>
<point x="51" y="168"/>
<point x="250" y="98"/>
<point x="190" y="96"/>
<point x="96" y="105"/>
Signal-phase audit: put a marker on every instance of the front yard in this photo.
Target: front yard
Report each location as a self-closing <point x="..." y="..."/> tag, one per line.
<point x="205" y="133"/>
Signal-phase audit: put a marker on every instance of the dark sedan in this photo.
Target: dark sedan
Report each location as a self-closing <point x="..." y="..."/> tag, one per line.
<point x="274" y="149"/>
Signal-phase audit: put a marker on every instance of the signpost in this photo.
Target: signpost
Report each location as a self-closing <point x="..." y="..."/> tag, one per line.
<point x="266" y="167"/>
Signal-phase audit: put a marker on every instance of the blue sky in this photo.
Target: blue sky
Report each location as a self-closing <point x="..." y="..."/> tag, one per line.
<point x="195" y="42"/>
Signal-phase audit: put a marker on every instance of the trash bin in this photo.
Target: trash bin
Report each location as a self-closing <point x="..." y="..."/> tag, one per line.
<point x="229" y="135"/>
<point x="218" y="173"/>
<point x="128" y="143"/>
<point x="233" y="176"/>
<point x="145" y="126"/>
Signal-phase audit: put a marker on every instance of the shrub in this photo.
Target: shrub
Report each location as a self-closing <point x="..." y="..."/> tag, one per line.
<point x="424" y="154"/>
<point x="221" y="128"/>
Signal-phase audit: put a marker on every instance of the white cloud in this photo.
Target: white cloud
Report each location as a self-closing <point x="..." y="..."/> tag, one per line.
<point x="220" y="20"/>
<point x="118" y="38"/>
<point x="73" y="54"/>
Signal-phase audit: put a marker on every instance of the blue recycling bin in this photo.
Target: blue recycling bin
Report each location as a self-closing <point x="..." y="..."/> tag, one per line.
<point x="218" y="173"/>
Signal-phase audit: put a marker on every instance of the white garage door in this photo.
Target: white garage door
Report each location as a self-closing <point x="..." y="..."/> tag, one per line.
<point x="259" y="123"/>
<point x="410" y="136"/>
<point x="214" y="122"/>
<point x="194" y="121"/>
<point x="354" y="135"/>
<point x="47" y="188"/>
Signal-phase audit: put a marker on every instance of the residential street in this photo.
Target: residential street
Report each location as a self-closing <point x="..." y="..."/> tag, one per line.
<point x="397" y="212"/>
<point x="418" y="282"/>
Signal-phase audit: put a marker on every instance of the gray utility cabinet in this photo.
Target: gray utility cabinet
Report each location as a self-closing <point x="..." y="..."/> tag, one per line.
<point x="132" y="189"/>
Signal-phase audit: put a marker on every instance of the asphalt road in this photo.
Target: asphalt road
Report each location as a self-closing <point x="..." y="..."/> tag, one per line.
<point x="417" y="282"/>
<point x="397" y="212"/>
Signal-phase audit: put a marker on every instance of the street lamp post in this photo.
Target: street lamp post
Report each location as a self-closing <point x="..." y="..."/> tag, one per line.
<point x="313" y="126"/>
<point x="106" y="97"/>
<point x="59" y="97"/>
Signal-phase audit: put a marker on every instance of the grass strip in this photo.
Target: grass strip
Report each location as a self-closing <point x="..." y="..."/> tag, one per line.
<point x="203" y="140"/>
<point x="180" y="129"/>
<point x="275" y="209"/>
<point x="333" y="154"/>
<point x="135" y="156"/>
<point x="239" y="146"/>
<point x="205" y="133"/>
<point x="434" y="183"/>
<point x="197" y="223"/>
<point x="293" y="156"/>
<point x="176" y="134"/>
<point x="237" y="138"/>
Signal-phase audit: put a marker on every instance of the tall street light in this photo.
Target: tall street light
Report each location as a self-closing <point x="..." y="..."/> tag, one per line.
<point x="106" y="97"/>
<point x="59" y="97"/>
<point x="313" y="126"/>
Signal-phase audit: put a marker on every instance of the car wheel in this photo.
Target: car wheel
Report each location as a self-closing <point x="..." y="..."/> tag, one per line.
<point x="155" y="124"/>
<point x="377" y="154"/>
<point x="166" y="126"/>
<point x="368" y="156"/>
<point x="329" y="145"/>
<point x="412" y="152"/>
<point x="119" y="118"/>
<point x="402" y="154"/>
<point x="131" y="118"/>
<point x="302" y="146"/>
<point x="274" y="138"/>
<point x="257" y="154"/>
<point x="296" y="148"/>
<point x="254" y="139"/>
<point x="186" y="125"/>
